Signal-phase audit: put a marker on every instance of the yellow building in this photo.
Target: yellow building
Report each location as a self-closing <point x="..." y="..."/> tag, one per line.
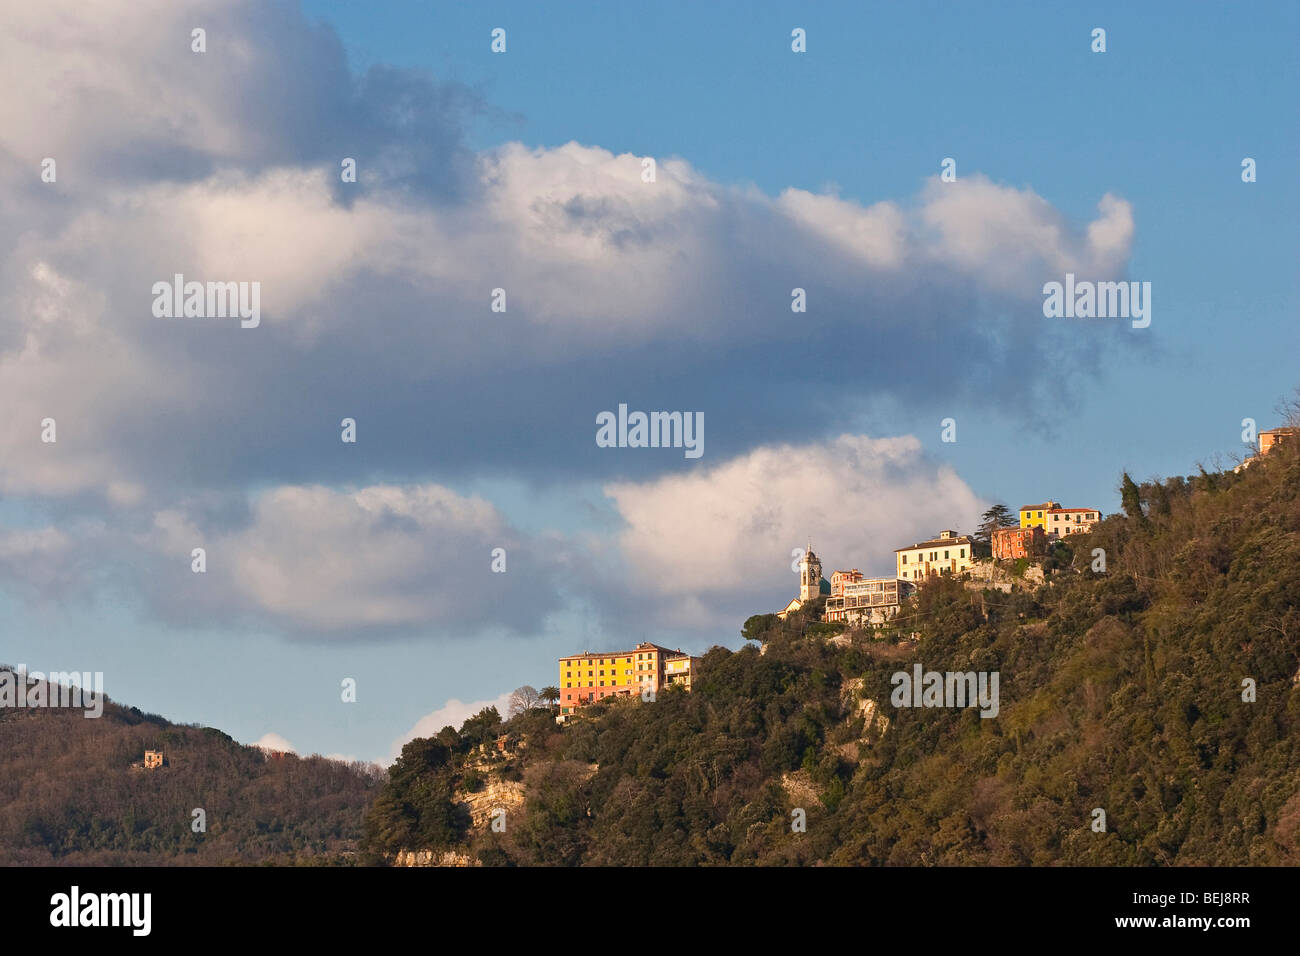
<point x="590" y="677"/>
<point x="1035" y="516"/>
<point x="677" y="670"/>
<point x="949" y="553"/>
<point x="1057" y="521"/>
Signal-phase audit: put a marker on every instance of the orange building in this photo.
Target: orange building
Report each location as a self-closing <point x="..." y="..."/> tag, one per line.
<point x="1275" y="436"/>
<point x="1267" y="442"/>
<point x="1010" y="543"/>
<point x="841" y="578"/>
<point x="589" y="677"/>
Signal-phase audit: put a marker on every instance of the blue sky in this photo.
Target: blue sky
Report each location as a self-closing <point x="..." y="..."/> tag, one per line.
<point x="1011" y="90"/>
<point x="674" y="302"/>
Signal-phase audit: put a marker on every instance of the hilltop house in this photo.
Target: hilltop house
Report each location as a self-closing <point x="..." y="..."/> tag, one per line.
<point x="1031" y="516"/>
<point x="1267" y="442"/>
<point x="1011" y="543"/>
<point x="1057" y="521"/>
<point x="870" y="601"/>
<point x="589" y="677"/>
<point x="949" y="553"/>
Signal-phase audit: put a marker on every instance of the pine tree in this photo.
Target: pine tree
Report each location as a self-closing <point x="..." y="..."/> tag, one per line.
<point x="1131" y="497"/>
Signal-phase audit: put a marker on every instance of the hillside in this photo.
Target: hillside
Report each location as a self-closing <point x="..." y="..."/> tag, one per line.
<point x="1121" y="691"/>
<point x="70" y="796"/>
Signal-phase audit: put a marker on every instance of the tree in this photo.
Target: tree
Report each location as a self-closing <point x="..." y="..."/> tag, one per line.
<point x="1289" y="409"/>
<point x="523" y="699"/>
<point x="999" y="516"/>
<point x="757" y="625"/>
<point x="1131" y="497"/>
<point x="480" y="728"/>
<point x="550" y="694"/>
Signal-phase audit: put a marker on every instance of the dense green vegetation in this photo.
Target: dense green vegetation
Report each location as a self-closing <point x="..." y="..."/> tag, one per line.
<point x="1120" y="690"/>
<point x="69" y="795"/>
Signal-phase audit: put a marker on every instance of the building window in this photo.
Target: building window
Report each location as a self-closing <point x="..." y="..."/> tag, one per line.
<point x="963" y="552"/>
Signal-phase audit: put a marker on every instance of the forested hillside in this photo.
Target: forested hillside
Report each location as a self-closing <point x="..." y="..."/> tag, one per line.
<point x="70" y="796"/>
<point x="1120" y="691"/>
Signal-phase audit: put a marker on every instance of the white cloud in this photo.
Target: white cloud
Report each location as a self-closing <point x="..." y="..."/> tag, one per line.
<point x="451" y="714"/>
<point x="273" y="741"/>
<point x="381" y="556"/>
<point x="324" y="562"/>
<point x="716" y="540"/>
<point x="224" y="166"/>
<point x="1003" y="237"/>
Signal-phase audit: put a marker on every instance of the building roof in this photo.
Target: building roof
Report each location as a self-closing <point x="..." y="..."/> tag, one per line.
<point x="643" y="646"/>
<point x="1064" y="510"/>
<point x="1045" y="506"/>
<point x="1284" y="430"/>
<point x="960" y="539"/>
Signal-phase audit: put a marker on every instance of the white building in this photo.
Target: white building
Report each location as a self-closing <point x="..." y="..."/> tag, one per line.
<point x="1063" y="521"/>
<point x="949" y="553"/>
<point x="871" y="601"/>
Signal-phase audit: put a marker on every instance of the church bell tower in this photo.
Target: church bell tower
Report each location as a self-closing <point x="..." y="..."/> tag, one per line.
<point x="810" y="576"/>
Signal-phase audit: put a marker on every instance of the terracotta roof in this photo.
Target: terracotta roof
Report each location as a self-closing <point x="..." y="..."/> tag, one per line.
<point x="1045" y="506"/>
<point x="937" y="541"/>
<point x="1064" y="510"/>
<point x="584" y="656"/>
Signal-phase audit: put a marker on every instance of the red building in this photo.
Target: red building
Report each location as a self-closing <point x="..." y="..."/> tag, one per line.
<point x="841" y="578"/>
<point x="1010" y="543"/>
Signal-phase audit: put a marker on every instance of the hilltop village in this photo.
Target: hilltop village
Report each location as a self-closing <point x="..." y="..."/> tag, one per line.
<point x="854" y="599"/>
<point x="1006" y="546"/>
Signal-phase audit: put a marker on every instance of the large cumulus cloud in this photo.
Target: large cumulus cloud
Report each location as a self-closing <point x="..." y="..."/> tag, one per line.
<point x="705" y="548"/>
<point x="672" y="294"/>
